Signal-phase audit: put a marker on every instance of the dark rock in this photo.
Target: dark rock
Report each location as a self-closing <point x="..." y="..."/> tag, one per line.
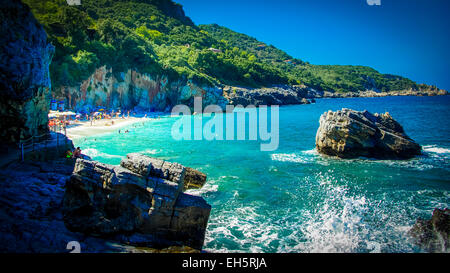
<point x="434" y="234"/>
<point x="31" y="219"/>
<point x="142" y="196"/>
<point x="276" y="95"/>
<point x="349" y="134"/>
<point x="25" y="56"/>
<point x="154" y="167"/>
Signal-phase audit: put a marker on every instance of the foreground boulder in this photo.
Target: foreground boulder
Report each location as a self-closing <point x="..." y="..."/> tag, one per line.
<point x="349" y="134"/>
<point x="142" y="196"/>
<point x="434" y="234"/>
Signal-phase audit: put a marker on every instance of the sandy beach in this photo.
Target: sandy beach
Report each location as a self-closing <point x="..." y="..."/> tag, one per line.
<point x="84" y="128"/>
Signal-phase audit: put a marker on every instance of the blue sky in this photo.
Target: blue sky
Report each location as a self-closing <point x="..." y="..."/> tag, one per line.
<point x="404" y="37"/>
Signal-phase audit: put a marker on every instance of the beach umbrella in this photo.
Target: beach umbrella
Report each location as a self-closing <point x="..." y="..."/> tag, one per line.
<point x="67" y="113"/>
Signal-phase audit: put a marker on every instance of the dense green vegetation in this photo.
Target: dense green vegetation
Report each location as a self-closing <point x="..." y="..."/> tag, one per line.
<point x="340" y="78"/>
<point x="155" y="36"/>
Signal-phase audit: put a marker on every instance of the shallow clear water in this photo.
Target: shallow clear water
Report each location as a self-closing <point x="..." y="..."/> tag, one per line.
<point x="294" y="200"/>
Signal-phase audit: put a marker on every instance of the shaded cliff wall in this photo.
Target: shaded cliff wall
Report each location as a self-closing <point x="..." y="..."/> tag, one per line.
<point x="134" y="90"/>
<point x="25" y="56"/>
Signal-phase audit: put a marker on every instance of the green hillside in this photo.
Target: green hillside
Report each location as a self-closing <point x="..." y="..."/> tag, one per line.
<point x="340" y="78"/>
<point x="155" y="36"/>
<point x="152" y="36"/>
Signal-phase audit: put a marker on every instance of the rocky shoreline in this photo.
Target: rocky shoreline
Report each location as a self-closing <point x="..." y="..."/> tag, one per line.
<point x="139" y="206"/>
<point x="374" y="94"/>
<point x="300" y="94"/>
<point x="142" y="92"/>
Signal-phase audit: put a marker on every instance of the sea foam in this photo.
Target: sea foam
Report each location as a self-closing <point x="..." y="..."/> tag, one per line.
<point x="94" y="153"/>
<point x="435" y="149"/>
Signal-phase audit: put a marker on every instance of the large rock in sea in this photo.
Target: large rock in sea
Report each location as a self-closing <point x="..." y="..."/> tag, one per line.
<point x="143" y="195"/>
<point x="434" y="234"/>
<point x="348" y="134"/>
<point x="25" y="56"/>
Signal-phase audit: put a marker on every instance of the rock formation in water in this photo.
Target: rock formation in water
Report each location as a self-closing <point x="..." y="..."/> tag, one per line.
<point x="433" y="235"/>
<point x="349" y="134"/>
<point x="142" y="196"/>
<point x="25" y="56"/>
<point x="277" y="95"/>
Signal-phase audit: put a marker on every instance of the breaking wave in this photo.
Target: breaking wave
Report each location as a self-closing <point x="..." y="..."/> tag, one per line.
<point x="433" y="149"/>
<point x="341" y="221"/>
<point x="94" y="153"/>
<point x="149" y="151"/>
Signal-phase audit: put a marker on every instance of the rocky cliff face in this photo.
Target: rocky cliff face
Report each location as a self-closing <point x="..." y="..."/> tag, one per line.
<point x="25" y="56"/>
<point x="133" y="90"/>
<point x="349" y="134"/>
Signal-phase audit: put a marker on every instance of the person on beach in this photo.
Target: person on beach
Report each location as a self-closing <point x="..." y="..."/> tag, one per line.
<point x="77" y="153"/>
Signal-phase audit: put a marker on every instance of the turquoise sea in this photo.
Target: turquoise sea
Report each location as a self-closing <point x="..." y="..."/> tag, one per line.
<point x="294" y="200"/>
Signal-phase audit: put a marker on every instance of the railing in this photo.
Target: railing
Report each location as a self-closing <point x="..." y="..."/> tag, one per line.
<point x="35" y="143"/>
